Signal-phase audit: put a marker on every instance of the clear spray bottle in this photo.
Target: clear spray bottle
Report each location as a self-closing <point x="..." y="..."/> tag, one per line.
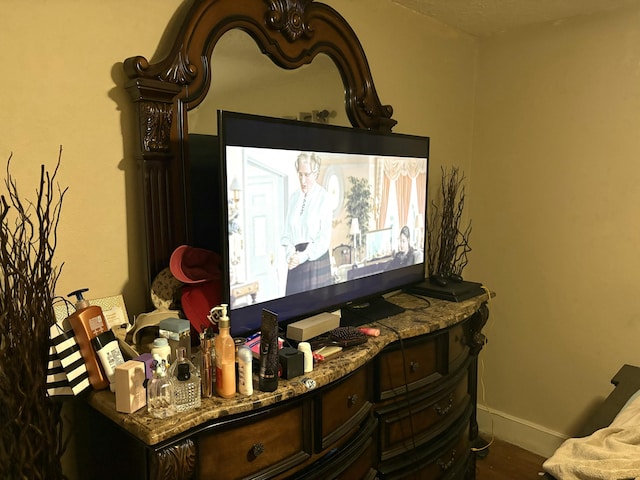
<point x="225" y="354"/>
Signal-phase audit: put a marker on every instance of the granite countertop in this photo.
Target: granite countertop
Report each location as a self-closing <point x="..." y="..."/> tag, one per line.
<point x="421" y="317"/>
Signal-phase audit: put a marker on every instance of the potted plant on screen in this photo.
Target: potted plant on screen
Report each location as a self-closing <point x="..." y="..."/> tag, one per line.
<point x="358" y="211"/>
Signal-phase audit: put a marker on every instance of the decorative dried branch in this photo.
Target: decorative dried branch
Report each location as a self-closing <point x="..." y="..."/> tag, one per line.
<point x="31" y="442"/>
<point x="448" y="246"/>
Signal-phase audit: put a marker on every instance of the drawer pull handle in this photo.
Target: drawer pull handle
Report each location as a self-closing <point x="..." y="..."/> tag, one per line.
<point x="353" y="399"/>
<point x="414" y="366"/>
<point x="444" y="466"/>
<point x="446" y="409"/>
<point x="257" y="449"/>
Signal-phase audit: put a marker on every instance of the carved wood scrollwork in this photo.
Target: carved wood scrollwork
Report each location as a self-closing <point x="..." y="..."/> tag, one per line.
<point x="180" y="72"/>
<point x="288" y="17"/>
<point x="290" y="32"/>
<point x="177" y="462"/>
<point x="156" y="118"/>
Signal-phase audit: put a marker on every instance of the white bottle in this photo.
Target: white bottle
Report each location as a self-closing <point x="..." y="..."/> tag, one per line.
<point x="109" y="353"/>
<point x="245" y="371"/>
<point x="305" y="348"/>
<point x="161" y="347"/>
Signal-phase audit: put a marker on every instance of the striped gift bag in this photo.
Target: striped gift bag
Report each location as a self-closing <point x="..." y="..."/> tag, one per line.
<point x="66" y="371"/>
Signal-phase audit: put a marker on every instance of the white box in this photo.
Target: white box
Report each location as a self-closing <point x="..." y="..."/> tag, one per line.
<point x="130" y="392"/>
<point x="312" y="327"/>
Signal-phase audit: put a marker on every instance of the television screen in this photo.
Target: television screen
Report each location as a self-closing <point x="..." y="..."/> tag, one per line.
<point x="318" y="217"/>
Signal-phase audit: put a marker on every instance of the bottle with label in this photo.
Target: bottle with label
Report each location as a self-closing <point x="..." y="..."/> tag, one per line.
<point x="245" y="371"/>
<point x="161" y="347"/>
<point x="186" y="382"/>
<point x="87" y="323"/>
<point x="225" y="355"/>
<point x="109" y="353"/>
<point x="160" y="394"/>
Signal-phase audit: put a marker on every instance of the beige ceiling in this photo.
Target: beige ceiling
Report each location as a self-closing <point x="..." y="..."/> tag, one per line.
<point x="487" y="17"/>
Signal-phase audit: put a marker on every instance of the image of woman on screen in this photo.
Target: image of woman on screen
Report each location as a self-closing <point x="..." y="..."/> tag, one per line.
<point x="307" y="233"/>
<point x="405" y="254"/>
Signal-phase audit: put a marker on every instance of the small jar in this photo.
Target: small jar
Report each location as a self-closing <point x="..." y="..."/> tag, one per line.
<point x="161" y="347"/>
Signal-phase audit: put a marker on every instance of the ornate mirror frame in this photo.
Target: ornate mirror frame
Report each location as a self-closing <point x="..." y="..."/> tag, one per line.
<point x="290" y="32"/>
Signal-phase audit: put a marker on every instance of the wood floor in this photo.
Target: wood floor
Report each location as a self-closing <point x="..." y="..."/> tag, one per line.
<point x="508" y="462"/>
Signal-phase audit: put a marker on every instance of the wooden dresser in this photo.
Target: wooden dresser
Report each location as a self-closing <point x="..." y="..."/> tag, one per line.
<point x="403" y="405"/>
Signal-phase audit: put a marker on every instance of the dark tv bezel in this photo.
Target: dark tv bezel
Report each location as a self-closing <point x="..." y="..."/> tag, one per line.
<point x="267" y="132"/>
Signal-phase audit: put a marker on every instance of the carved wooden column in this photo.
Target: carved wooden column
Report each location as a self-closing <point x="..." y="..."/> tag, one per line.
<point x="162" y="176"/>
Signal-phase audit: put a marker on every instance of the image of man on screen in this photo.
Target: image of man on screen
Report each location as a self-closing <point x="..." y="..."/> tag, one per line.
<point x="307" y="232"/>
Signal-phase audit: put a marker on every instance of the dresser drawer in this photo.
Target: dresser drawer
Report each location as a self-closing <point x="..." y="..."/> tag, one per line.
<point x="447" y="457"/>
<point x="343" y="407"/>
<point x="411" y="364"/>
<point x="258" y="447"/>
<point x="408" y="423"/>
<point x="458" y="347"/>
<point x="355" y="458"/>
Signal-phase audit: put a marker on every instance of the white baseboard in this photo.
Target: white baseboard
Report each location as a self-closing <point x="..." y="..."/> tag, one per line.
<point x="525" y="434"/>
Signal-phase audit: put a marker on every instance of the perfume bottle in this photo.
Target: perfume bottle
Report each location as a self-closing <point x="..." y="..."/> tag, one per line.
<point x="208" y="363"/>
<point x="160" y="396"/>
<point x="185" y="378"/>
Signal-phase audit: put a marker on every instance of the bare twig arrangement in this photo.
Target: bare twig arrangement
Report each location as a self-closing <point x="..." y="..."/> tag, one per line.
<point x="31" y="442"/>
<point x="448" y="246"/>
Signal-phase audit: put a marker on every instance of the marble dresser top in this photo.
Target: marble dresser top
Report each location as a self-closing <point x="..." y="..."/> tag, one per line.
<point x="421" y="317"/>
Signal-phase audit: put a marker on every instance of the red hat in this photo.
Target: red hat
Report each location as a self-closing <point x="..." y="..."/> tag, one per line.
<point x="198" y="300"/>
<point x="194" y="265"/>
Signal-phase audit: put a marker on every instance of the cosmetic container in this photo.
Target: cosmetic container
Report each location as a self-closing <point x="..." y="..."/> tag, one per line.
<point x="160" y="393"/>
<point x="305" y="348"/>
<point x="225" y="354"/>
<point x="130" y="380"/>
<point x="208" y="364"/>
<point x="268" y="374"/>
<point x="161" y="347"/>
<point x="87" y="323"/>
<point x="109" y="354"/>
<point x="186" y="382"/>
<point x="245" y="371"/>
<point x="178" y="332"/>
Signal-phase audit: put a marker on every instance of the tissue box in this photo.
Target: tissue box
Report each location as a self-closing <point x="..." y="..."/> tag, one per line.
<point x="131" y="395"/>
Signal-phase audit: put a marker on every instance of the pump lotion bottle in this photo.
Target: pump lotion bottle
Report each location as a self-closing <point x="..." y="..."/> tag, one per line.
<point x="88" y="322"/>
<point x="225" y="355"/>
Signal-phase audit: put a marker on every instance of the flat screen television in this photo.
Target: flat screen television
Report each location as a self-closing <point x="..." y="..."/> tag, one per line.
<point x="291" y="194"/>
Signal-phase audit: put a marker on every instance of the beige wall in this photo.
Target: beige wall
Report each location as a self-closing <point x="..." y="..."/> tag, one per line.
<point x="555" y="185"/>
<point x="61" y="85"/>
<point x="552" y="180"/>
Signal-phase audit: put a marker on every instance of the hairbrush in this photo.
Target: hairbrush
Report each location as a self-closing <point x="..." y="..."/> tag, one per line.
<point x="341" y="336"/>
